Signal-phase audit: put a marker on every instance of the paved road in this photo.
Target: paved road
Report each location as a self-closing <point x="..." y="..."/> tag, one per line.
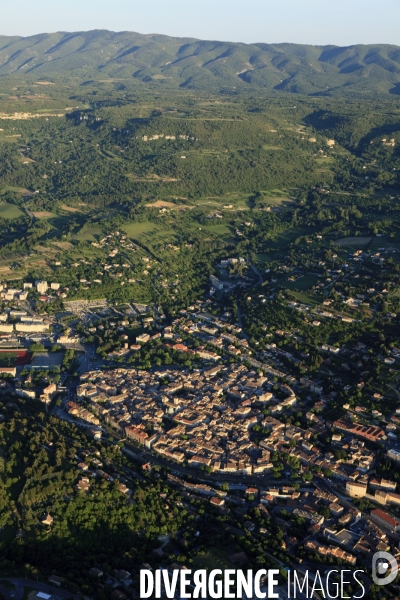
<point x="257" y="272"/>
<point x="20" y="584"/>
<point x="90" y="360"/>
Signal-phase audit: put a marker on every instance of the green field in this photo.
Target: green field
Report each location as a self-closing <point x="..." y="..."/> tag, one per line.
<point x="322" y="160"/>
<point x="137" y="230"/>
<point x="380" y="242"/>
<point x="305" y="298"/>
<point x="14" y="139"/>
<point x="216" y="229"/>
<point x="278" y="197"/>
<point x="357" y="242"/>
<point x="303" y="283"/>
<point x="7" y="359"/>
<point x="9" y="211"/>
<point x="89" y="234"/>
<point x="282" y="241"/>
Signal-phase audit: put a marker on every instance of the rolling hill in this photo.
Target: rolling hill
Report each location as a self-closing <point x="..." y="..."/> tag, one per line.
<point x="159" y="60"/>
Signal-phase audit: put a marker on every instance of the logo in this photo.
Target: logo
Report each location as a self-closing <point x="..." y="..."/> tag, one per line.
<point x="384" y="568"/>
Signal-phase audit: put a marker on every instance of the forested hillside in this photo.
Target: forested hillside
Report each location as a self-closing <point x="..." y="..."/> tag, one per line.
<point x="160" y="61"/>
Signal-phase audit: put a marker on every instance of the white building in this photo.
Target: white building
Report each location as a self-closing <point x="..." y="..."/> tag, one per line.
<point x="394" y="455"/>
<point x="41" y="286"/>
<point x="30" y="328"/>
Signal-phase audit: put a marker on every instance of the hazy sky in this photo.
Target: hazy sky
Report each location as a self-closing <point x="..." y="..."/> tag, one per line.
<point x="341" y="22"/>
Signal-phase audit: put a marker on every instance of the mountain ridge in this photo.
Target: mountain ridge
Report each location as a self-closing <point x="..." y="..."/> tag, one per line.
<point x="171" y="62"/>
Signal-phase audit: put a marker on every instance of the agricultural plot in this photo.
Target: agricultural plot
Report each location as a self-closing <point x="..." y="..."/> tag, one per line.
<point x="89" y="234"/>
<point x="305" y="298"/>
<point x="353" y="242"/>
<point x="42" y="214"/>
<point x="10" y="211"/>
<point x="219" y="230"/>
<point x="137" y="230"/>
<point x="303" y="283"/>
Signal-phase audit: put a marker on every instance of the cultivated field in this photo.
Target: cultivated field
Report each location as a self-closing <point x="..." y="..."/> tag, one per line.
<point x="354" y="241"/>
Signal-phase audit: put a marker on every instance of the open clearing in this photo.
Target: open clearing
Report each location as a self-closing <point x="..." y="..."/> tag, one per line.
<point x="12" y="188"/>
<point x="162" y="204"/>
<point x="152" y="178"/>
<point x="280" y="202"/>
<point x="305" y="298"/>
<point x="354" y="241"/>
<point x="87" y="234"/>
<point x="219" y="229"/>
<point x="303" y="283"/>
<point x="43" y="214"/>
<point x="71" y="209"/>
<point x="382" y="242"/>
<point x="44" y="249"/>
<point x="278" y="197"/>
<point x="9" y="211"/>
<point x="63" y="245"/>
<point x="9" y="139"/>
<point x="5" y="270"/>
<point x="136" y="230"/>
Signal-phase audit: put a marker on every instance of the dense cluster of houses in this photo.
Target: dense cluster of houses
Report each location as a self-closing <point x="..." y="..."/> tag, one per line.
<point x="200" y="418"/>
<point x="335" y="529"/>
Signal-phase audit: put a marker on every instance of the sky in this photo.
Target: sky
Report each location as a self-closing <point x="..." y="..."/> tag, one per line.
<point x="339" y="22"/>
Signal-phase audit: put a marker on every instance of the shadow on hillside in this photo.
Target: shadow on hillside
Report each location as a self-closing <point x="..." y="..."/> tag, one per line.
<point x="387" y="129"/>
<point x="395" y="90"/>
<point x="323" y="120"/>
<point x="81" y="547"/>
